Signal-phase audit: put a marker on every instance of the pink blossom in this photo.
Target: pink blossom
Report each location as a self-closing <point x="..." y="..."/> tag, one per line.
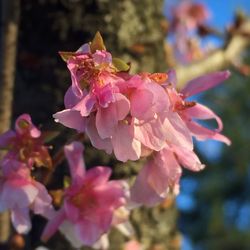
<point x="192" y="111"/>
<point x="26" y="143"/>
<point x="162" y="173"/>
<point x="132" y="245"/>
<point x="89" y="202"/>
<point x="189" y="15"/>
<point x="136" y="116"/>
<point x="20" y="193"/>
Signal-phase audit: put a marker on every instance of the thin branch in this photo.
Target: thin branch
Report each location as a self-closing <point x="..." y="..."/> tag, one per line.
<point x="220" y="59"/>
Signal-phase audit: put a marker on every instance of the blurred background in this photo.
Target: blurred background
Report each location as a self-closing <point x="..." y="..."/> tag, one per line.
<point x="212" y="211"/>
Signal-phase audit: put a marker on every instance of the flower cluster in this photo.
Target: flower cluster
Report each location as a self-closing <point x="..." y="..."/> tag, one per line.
<point x="89" y="202"/>
<point x="131" y="115"/>
<point x="139" y="115"/>
<point x="19" y="192"/>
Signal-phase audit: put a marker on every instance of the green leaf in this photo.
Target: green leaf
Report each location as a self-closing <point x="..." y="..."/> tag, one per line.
<point x="120" y="64"/>
<point x="97" y="43"/>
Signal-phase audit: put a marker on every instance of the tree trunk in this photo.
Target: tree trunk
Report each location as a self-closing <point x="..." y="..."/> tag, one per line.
<point x="9" y="32"/>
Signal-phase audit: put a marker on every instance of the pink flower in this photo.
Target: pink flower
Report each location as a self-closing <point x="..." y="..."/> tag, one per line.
<point x="26" y="143"/>
<point x="189" y="15"/>
<point x="192" y="111"/>
<point x="89" y="202"/>
<point x="132" y="245"/>
<point x="20" y="193"/>
<point x="162" y="173"/>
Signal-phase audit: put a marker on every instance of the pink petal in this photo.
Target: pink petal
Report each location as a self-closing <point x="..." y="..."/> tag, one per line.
<point x="70" y="99"/>
<point x="96" y="140"/>
<point x="132" y="245"/>
<point x="53" y="225"/>
<point x="141" y="102"/>
<point x="72" y="212"/>
<point x="164" y="172"/>
<point x="86" y="105"/>
<point x="125" y="146"/>
<point x="88" y="232"/>
<point x="85" y="48"/>
<point x="105" y="95"/>
<point x="205" y="82"/>
<point x="178" y="133"/>
<point x="42" y="203"/>
<point x="21" y="220"/>
<point x="202" y="133"/>
<point x="74" y="154"/>
<point x="67" y="229"/>
<point x="71" y="119"/>
<point x="98" y="175"/>
<point x="18" y="193"/>
<point x="102" y="56"/>
<point x="142" y="192"/>
<point x="107" y="118"/>
<point x="203" y="113"/>
<point x="34" y="132"/>
<point x="151" y="134"/>
<point x="110" y="195"/>
<point x="187" y="158"/>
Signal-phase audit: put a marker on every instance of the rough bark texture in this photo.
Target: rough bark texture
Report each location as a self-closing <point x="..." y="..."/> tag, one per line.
<point x="9" y="32"/>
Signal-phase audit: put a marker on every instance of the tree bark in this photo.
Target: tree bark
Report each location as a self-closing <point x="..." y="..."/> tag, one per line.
<point x="9" y="33"/>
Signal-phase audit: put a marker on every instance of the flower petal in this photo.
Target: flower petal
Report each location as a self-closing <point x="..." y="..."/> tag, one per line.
<point x="202" y="133"/>
<point x="96" y="140"/>
<point x="71" y="119"/>
<point x="21" y="220"/>
<point x="107" y="118"/>
<point x="125" y="146"/>
<point x="142" y="192"/>
<point x="205" y="82"/>
<point x="187" y="158"/>
<point x="74" y="154"/>
<point x="201" y="112"/>
<point x="53" y="225"/>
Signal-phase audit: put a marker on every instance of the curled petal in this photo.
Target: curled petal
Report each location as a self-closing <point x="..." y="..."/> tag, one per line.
<point x="202" y="133"/>
<point x="201" y="112"/>
<point x="205" y="82"/>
